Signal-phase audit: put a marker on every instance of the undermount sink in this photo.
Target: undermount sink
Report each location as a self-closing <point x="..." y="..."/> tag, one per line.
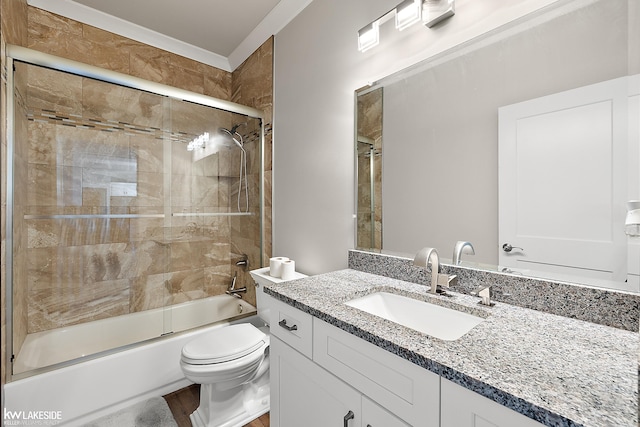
<point x="431" y="319"/>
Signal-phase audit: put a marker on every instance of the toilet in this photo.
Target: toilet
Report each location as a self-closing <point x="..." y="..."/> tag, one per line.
<point x="232" y="365"/>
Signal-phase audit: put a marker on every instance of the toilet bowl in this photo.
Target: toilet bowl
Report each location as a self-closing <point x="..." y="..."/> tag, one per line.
<point x="232" y="365"/>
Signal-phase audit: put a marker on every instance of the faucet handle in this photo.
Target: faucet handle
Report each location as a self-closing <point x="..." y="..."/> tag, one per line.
<point x="445" y="280"/>
<point x="484" y="292"/>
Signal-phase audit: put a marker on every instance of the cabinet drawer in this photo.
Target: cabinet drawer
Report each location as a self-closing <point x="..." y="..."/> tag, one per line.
<point x="292" y="326"/>
<point x="410" y="392"/>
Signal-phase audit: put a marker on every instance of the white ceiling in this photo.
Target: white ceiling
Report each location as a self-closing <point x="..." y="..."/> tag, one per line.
<point x="221" y="33"/>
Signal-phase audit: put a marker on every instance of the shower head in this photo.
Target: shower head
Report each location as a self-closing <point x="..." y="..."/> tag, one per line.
<point x="235" y="136"/>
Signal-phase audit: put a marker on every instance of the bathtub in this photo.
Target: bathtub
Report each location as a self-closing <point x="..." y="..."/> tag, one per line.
<point x="87" y="390"/>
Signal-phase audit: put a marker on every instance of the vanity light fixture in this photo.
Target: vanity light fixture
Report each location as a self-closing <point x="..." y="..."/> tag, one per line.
<point x="406" y="13"/>
<point x="368" y="36"/>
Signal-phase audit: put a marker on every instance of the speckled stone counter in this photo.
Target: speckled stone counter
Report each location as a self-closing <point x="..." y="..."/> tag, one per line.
<point x="604" y="306"/>
<point x="553" y="369"/>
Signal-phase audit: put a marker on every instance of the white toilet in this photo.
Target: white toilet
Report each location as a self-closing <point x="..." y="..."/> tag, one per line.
<point x="232" y="365"/>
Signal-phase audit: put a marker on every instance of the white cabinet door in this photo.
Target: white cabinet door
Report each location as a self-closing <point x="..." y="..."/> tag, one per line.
<point x="373" y="415"/>
<point x="461" y="407"/>
<point x="304" y="394"/>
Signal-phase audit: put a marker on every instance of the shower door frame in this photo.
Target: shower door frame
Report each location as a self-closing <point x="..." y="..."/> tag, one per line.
<point x="34" y="57"/>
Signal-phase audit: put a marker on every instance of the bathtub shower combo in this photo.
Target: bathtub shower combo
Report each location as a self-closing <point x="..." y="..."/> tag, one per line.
<point x="132" y="207"/>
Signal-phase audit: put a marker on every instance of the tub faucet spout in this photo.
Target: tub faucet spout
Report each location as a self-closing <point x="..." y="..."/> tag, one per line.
<point x="232" y="289"/>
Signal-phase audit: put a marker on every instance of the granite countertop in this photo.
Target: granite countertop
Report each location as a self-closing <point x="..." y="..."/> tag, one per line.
<point x="553" y="369"/>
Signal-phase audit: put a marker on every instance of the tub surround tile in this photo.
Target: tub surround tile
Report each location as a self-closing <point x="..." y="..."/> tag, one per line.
<point x="553" y="369"/>
<point x="148" y="292"/>
<point x="52" y="308"/>
<point x="603" y="306"/>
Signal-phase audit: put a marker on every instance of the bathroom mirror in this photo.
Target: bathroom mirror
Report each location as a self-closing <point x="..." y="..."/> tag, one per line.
<point x="437" y="160"/>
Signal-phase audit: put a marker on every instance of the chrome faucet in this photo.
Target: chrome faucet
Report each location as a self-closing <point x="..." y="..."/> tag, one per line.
<point x="459" y="249"/>
<point x="232" y="289"/>
<point x="426" y="256"/>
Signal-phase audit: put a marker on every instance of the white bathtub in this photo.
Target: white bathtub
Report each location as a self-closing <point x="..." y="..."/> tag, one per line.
<point x="90" y="389"/>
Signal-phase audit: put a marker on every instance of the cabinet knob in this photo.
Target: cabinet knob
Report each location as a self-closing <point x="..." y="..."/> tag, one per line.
<point x="350" y="415"/>
<point x="283" y="323"/>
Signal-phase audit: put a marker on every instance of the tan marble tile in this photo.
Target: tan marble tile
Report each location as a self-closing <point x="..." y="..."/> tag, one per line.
<point x="120" y="104"/>
<point x="148" y="153"/>
<point x="63" y="42"/>
<point x="42" y="190"/>
<point x="149" y="63"/>
<point x="55" y="307"/>
<point x="42" y="233"/>
<point x="93" y="149"/>
<point x="217" y="279"/>
<point x="13" y="21"/>
<point x="248" y="82"/>
<point x="204" y="191"/>
<point x="217" y="83"/>
<point x="42" y="143"/>
<point x="148" y="292"/>
<point x="181" y="190"/>
<point x="187" y="79"/>
<point x="186" y="285"/>
<point x="106" y="38"/>
<point x="146" y="229"/>
<point x="143" y="258"/>
<point x="54" y="91"/>
<point x="218" y="228"/>
<point x="51" y="20"/>
<point x="150" y="189"/>
<point x="193" y="119"/>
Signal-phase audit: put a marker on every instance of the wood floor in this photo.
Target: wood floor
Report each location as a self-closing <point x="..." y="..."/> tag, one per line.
<point x="184" y="401"/>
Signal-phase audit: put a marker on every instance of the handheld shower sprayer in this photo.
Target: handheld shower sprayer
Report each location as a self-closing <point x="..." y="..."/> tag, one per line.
<point x="235" y="136"/>
<point x="239" y="141"/>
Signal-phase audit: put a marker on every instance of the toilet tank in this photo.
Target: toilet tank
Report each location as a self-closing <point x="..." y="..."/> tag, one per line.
<point x="261" y="277"/>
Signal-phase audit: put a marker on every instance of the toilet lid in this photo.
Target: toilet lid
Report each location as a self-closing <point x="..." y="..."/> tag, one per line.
<point x="224" y="344"/>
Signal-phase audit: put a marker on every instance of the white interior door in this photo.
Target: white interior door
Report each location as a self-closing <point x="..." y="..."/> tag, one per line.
<point x="563" y="182"/>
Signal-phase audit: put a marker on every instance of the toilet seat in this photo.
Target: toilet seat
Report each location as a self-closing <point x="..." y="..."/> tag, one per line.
<point x="224" y="345"/>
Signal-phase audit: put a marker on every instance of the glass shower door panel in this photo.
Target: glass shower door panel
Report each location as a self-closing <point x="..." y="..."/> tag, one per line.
<point x="206" y="166"/>
<point x="89" y="247"/>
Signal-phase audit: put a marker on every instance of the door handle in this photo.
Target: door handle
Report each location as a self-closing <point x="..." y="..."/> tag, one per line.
<point x="350" y="415"/>
<point x="283" y="323"/>
<point x="508" y="248"/>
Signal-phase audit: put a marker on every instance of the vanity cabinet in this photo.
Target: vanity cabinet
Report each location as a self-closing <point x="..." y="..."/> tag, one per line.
<point x="322" y="376"/>
<point x="464" y="408"/>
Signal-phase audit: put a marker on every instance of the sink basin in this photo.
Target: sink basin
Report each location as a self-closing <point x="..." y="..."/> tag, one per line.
<point x="431" y="319"/>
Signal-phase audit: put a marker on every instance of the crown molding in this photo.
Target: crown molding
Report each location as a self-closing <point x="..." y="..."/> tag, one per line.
<point x="275" y="20"/>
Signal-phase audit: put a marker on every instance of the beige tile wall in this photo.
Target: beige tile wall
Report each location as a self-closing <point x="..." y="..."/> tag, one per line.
<point x="370" y="126"/>
<point x="98" y="272"/>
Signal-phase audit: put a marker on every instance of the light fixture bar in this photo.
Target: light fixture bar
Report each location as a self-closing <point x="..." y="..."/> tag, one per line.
<point x="368" y="36"/>
<point x="408" y="13"/>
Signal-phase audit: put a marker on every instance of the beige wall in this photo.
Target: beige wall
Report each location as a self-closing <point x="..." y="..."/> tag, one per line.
<point x="250" y="84"/>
